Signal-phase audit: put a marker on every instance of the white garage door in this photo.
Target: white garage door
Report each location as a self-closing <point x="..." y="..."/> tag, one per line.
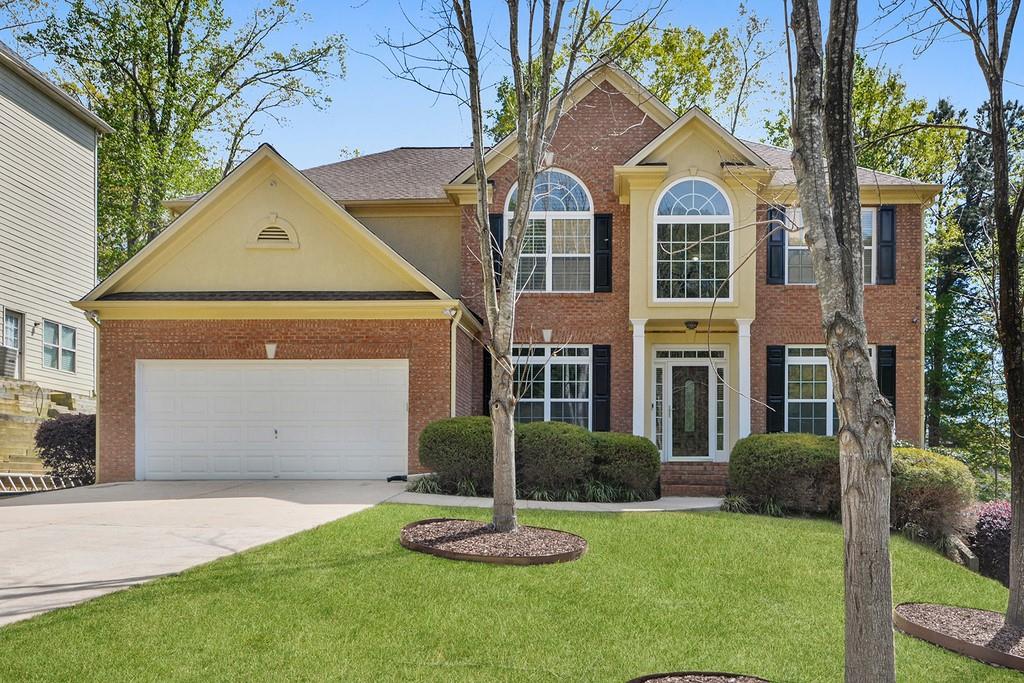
<point x="282" y="419"/>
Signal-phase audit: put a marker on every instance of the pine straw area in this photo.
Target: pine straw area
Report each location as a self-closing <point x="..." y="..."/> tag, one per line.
<point x="655" y="592"/>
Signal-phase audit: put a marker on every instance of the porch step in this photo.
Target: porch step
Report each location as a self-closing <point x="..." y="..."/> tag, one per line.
<point x="694" y="479"/>
<point x="693" y="490"/>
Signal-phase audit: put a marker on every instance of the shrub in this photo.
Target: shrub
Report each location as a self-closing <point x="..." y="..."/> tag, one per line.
<point x="459" y="452"/>
<point x="990" y="540"/>
<point x="930" y="491"/>
<point x="792" y="472"/>
<point x="552" y="457"/>
<point x="67" y="446"/>
<point x="625" y="461"/>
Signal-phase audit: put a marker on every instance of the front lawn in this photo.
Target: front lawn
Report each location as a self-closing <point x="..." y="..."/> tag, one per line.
<point x="345" y="602"/>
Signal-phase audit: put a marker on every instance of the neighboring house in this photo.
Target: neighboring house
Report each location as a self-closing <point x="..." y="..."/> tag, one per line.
<point x="47" y="230"/>
<point x="310" y="324"/>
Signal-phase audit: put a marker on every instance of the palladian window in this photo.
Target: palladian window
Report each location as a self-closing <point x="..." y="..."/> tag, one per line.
<point x="693" y="250"/>
<point x="558" y="249"/>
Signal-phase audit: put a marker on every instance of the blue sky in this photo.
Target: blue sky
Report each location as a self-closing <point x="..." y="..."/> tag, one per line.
<point x="372" y="111"/>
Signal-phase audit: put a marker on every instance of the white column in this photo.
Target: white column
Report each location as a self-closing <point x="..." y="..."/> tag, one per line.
<point x="639" y="372"/>
<point x="743" y="363"/>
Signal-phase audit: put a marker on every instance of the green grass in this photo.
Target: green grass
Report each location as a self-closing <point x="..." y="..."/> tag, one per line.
<point x="345" y="602"/>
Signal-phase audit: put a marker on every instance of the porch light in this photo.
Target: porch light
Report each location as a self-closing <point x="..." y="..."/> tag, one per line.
<point x="547" y="336"/>
<point x="691" y="325"/>
<point x="271" y="350"/>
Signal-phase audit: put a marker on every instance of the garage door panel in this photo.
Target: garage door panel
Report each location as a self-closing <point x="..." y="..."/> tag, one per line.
<point x="272" y="419"/>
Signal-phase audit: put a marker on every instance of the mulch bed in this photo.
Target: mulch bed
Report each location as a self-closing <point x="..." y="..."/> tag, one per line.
<point x="697" y="677"/>
<point x="463" y="539"/>
<point x="976" y="633"/>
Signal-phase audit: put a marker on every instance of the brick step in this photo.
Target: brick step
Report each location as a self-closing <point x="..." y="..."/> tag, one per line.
<point x="692" y="490"/>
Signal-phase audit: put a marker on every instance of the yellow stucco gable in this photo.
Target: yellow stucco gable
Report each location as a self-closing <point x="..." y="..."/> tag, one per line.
<point x="266" y="228"/>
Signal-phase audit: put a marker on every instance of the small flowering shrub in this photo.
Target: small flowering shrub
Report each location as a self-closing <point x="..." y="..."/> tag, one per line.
<point x="990" y="540"/>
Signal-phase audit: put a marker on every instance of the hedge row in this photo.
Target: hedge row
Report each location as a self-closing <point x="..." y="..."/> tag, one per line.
<point x="553" y="460"/>
<point x="800" y="473"/>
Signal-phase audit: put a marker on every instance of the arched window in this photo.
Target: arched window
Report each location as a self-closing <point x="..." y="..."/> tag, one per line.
<point x="693" y="246"/>
<point x="558" y="247"/>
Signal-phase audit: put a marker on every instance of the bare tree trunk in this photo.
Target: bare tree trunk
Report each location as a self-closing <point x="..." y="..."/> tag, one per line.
<point x="503" y="427"/>
<point x="1010" y="331"/>
<point x="830" y="199"/>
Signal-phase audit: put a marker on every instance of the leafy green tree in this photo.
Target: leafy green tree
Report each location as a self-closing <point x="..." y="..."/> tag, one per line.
<point x="186" y="91"/>
<point x="893" y="132"/>
<point x="964" y="382"/>
<point x="720" y="71"/>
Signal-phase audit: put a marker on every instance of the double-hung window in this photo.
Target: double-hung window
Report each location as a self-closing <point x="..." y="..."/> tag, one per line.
<point x="693" y="246"/>
<point x="553" y="384"/>
<point x="798" y="256"/>
<point x="558" y="246"/>
<point x="59" y="346"/>
<point x="810" y="406"/>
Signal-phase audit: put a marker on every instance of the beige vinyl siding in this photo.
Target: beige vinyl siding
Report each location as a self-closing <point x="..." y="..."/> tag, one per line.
<point x="47" y="224"/>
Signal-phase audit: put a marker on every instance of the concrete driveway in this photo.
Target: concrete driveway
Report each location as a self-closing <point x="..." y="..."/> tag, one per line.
<point x="64" y="547"/>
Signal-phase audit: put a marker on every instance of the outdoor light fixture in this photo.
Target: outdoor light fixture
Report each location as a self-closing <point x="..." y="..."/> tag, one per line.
<point x="547" y="336"/>
<point x="691" y="325"/>
<point x="271" y="350"/>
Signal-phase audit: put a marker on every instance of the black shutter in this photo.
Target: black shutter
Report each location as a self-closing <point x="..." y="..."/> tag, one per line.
<point x="776" y="247"/>
<point x="487" y="384"/>
<point x="885" y="371"/>
<point x="601" y="401"/>
<point x="885" y="242"/>
<point x="775" y="396"/>
<point x="497" y="242"/>
<point x="602" y="252"/>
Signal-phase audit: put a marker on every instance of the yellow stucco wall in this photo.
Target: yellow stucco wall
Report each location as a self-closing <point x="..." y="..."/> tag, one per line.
<point x="213" y="250"/>
<point x="430" y="242"/>
<point x="692" y="152"/>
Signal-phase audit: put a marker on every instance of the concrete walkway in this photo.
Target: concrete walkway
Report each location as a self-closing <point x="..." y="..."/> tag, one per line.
<point x="670" y="504"/>
<point x="64" y="547"/>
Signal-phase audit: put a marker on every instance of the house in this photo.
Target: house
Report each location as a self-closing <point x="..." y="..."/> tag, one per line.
<point x="48" y="144"/>
<point x="310" y="324"/>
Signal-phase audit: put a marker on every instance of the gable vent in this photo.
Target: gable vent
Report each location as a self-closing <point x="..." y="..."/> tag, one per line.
<point x="273" y="233"/>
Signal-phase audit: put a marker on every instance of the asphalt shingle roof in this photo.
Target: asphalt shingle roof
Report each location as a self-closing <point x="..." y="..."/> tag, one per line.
<point x="422" y="172"/>
<point x="401" y="173"/>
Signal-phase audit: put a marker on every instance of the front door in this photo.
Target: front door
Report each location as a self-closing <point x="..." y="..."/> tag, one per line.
<point x="690" y="411"/>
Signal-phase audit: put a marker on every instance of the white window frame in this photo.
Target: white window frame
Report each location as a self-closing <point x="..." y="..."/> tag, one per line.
<point x="550" y="355"/>
<point x="549" y="217"/>
<point x="830" y="398"/>
<point x="699" y="220"/>
<point x="20" y="348"/>
<point x="791" y="220"/>
<point x="696" y="356"/>
<point x="59" y="346"/>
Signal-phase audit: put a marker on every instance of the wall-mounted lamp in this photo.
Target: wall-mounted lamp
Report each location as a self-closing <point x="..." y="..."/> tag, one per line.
<point x="271" y="350"/>
<point x="547" y="336"/>
<point x="691" y="325"/>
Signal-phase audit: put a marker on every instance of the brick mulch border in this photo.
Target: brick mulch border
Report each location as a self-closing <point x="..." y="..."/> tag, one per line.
<point x="520" y="560"/>
<point x="723" y="676"/>
<point x="981" y="653"/>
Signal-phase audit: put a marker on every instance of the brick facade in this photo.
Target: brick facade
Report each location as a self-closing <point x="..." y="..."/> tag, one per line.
<point x="791" y="314"/>
<point x="603" y="130"/>
<point x="425" y="343"/>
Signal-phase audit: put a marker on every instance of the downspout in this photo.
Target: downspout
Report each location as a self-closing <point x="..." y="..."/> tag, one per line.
<point x="94" y="319"/>
<point x="456" y="314"/>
